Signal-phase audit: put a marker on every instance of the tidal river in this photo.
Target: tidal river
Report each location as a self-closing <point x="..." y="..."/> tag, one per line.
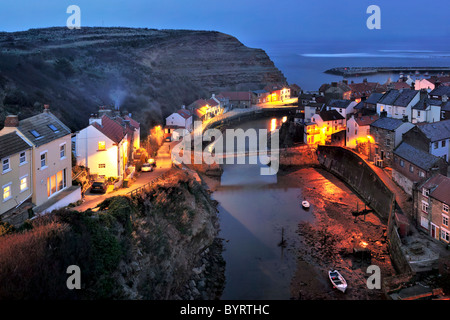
<point x="256" y="212"/>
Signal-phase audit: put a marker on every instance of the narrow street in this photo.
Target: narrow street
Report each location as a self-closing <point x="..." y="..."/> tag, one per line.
<point x="163" y="164"/>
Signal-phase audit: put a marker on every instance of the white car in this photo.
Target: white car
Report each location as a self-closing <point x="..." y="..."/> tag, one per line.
<point x="147" y="167"/>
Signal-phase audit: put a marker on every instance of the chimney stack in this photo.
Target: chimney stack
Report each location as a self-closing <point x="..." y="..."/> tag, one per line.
<point x="12" y="121"/>
<point x="46" y="108"/>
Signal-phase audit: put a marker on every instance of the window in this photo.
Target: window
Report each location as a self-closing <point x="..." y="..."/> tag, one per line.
<point x="101" y="145"/>
<point x="424" y="206"/>
<point x="443" y="143"/>
<point x="56" y="182"/>
<point x="54" y="129"/>
<point x="425" y="192"/>
<point x="23" y="157"/>
<point x="411" y="168"/>
<point x="35" y="133"/>
<point x="445" y="220"/>
<point x="436" y="145"/>
<point x="445" y="208"/>
<point x="421" y="174"/>
<point x="418" y="113"/>
<point x="62" y="151"/>
<point x="445" y="235"/>
<point x="102" y="165"/>
<point x="44" y="160"/>
<point x="7" y="192"/>
<point x="402" y="163"/>
<point x="23" y="184"/>
<point x="6" y="165"/>
<point x="388" y="142"/>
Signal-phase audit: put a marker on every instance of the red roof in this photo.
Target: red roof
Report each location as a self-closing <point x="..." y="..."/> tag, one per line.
<point x="184" y="113"/>
<point x="111" y="129"/>
<point x="212" y="102"/>
<point x="133" y="122"/>
<point x="365" y="120"/>
<point x="439" y="187"/>
<point x="400" y="85"/>
<point x="363" y="89"/>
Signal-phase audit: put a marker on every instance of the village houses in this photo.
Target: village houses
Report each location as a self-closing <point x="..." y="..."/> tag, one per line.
<point x="431" y="207"/>
<point x="412" y="165"/>
<point x="398" y="103"/>
<point x="51" y="161"/>
<point x="323" y="126"/>
<point x="107" y="144"/>
<point x="358" y="132"/>
<point x="179" y="120"/>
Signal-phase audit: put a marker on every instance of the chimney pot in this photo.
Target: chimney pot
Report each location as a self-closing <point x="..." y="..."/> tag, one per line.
<point x="46" y="108"/>
<point x="12" y="121"/>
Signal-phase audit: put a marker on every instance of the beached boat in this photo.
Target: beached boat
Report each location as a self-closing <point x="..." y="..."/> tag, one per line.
<point x="337" y="280"/>
<point x="305" y="204"/>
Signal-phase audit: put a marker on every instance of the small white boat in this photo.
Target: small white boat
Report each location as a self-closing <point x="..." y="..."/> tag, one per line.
<point x="305" y="204"/>
<point x="337" y="280"/>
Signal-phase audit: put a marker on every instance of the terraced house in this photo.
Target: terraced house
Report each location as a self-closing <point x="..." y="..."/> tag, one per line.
<point x="15" y="174"/>
<point x="51" y="159"/>
<point x="432" y="207"/>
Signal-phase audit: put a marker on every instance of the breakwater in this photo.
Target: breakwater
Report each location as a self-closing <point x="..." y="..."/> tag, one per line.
<point x="358" y="71"/>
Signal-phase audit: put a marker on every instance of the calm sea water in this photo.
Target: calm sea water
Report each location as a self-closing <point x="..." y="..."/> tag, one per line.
<point x="304" y="63"/>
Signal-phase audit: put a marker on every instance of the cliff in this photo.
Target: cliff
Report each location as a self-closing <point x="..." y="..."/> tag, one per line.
<point x="160" y="245"/>
<point x="144" y="71"/>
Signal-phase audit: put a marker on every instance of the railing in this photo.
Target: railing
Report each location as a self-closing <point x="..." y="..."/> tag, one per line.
<point x="146" y="186"/>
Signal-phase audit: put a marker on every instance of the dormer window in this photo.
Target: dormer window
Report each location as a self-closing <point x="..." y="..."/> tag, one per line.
<point x="425" y="192"/>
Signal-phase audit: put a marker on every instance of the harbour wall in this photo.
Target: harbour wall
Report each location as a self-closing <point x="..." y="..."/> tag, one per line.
<point x="354" y="171"/>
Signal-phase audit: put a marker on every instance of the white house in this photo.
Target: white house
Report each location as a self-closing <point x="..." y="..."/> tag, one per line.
<point x="181" y="119"/>
<point x="344" y="107"/>
<point x="358" y="129"/>
<point x="426" y="110"/>
<point x="423" y="84"/>
<point x="103" y="147"/>
<point x="398" y="103"/>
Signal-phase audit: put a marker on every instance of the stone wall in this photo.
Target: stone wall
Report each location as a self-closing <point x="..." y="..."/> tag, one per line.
<point x="303" y="155"/>
<point x="353" y="170"/>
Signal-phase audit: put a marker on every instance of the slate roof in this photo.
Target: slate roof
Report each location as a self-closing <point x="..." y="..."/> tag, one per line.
<point x="436" y="131"/>
<point x="440" y="91"/>
<point x="374" y="98"/>
<point x="12" y="143"/>
<point x="42" y="123"/>
<point x="439" y="186"/>
<point x="339" y="103"/>
<point x="399" y="98"/>
<point x="330" y="115"/>
<point x="418" y="157"/>
<point x="425" y="102"/>
<point x="387" y="123"/>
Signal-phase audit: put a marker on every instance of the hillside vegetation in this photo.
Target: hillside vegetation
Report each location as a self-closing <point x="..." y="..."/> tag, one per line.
<point x="147" y="72"/>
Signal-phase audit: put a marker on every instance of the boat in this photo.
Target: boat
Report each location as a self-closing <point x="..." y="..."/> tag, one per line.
<point x="337" y="280"/>
<point x="305" y="204"/>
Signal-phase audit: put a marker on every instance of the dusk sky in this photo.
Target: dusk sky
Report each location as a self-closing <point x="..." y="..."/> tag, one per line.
<point x="249" y="20"/>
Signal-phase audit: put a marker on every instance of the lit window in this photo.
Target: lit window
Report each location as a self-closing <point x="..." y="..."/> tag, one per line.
<point x="43" y="159"/>
<point x="101" y="145"/>
<point x="23" y="157"/>
<point x="102" y="166"/>
<point x="5" y="164"/>
<point x="23" y="184"/>
<point x="62" y="151"/>
<point x="6" y="192"/>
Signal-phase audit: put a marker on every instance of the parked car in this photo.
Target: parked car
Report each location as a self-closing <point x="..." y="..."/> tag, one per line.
<point x="147" y="167"/>
<point x="98" y="187"/>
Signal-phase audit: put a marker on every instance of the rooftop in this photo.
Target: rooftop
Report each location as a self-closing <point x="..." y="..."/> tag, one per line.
<point x="436" y="131"/>
<point x="399" y="98"/>
<point x="440" y="91"/>
<point x="387" y="123"/>
<point x="330" y="115"/>
<point x="110" y="128"/>
<point x="12" y="143"/>
<point x="439" y="186"/>
<point x="420" y="158"/>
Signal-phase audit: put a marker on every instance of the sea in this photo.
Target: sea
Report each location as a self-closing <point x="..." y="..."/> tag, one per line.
<point x="304" y="62"/>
